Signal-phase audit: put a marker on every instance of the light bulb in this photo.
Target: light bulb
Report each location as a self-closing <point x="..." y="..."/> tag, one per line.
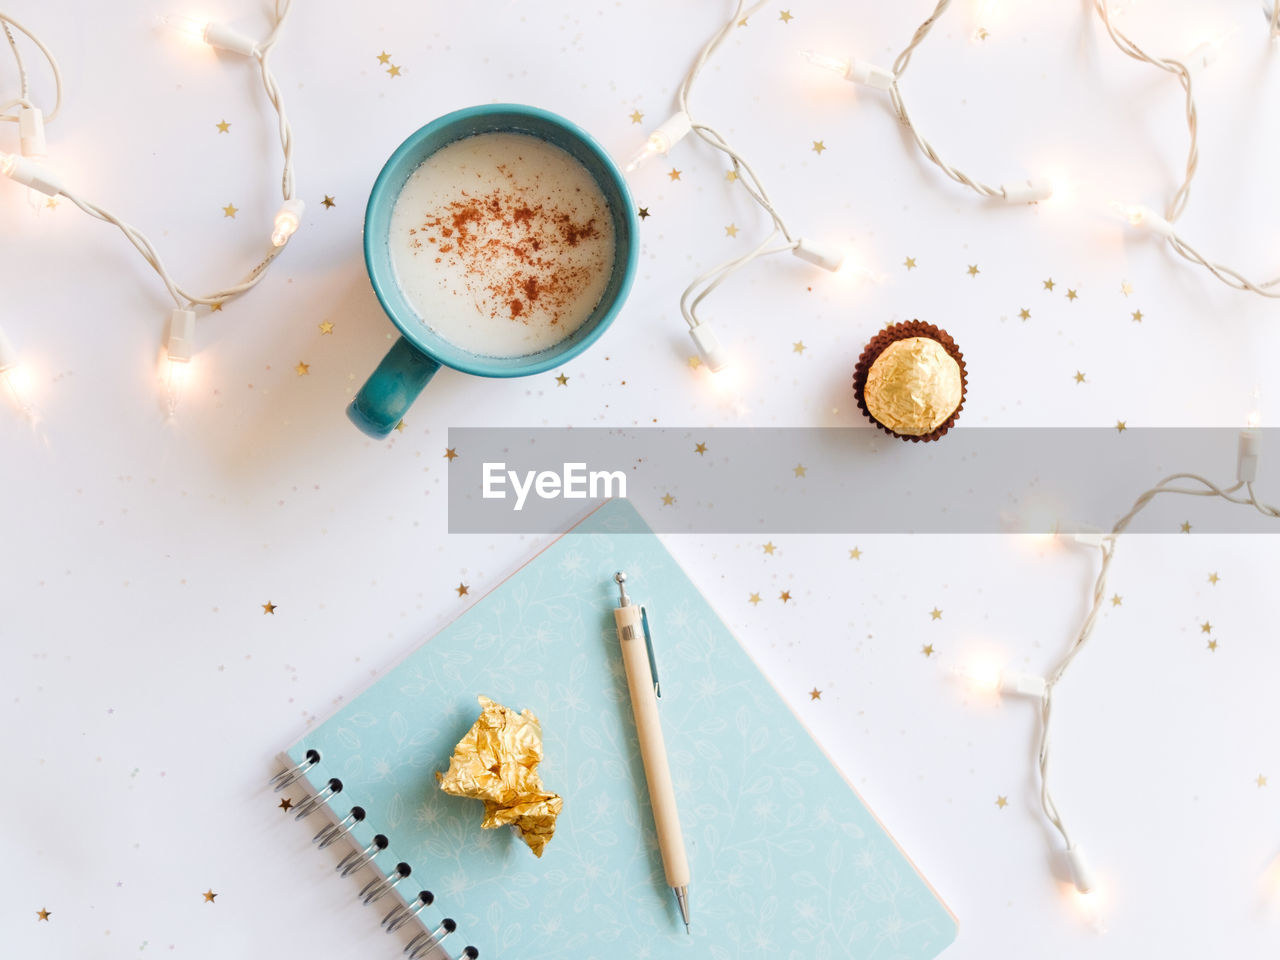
<point x="990" y="680"/>
<point x="819" y="254"/>
<point x="176" y="360"/>
<point x="838" y="65"/>
<point x="217" y="35"/>
<point x="186" y="27"/>
<point x="14" y="378"/>
<point x="662" y="139"/>
<point x="288" y="218"/>
<point x="176" y="374"/>
<point x="1143" y="218"/>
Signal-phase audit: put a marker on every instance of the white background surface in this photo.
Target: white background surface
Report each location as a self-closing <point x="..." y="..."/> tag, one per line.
<point x="145" y="693"/>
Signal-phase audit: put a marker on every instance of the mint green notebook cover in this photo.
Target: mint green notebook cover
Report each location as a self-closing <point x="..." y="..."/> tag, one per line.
<point x="786" y="860"/>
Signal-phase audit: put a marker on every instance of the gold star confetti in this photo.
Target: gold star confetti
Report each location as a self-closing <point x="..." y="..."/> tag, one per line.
<point x="973" y="270"/>
<point x="1261" y="781"/>
<point x="223" y="126"/>
<point x="1049" y="284"/>
<point x="674" y="174"/>
<point x="785" y="16"/>
<point x="285" y="803"/>
<point x="328" y="202"/>
<point x="927" y="649"/>
<point x="1137" y="316"/>
<point x="784" y="596"/>
<point x="268" y="607"/>
<point x="855" y="554"/>
<point x="326" y="327"/>
<point x="1002" y="802"/>
<point x="815" y="694"/>
<point x="1079" y="377"/>
<point x="935" y="614"/>
<point x="742" y="22"/>
<point x="1126" y="288"/>
<point x="797" y="347"/>
<point x="909" y="263"/>
<point x="302" y="369"/>
<point x="215" y="307"/>
<point x="562" y="380"/>
<point x="731" y="176"/>
<point x="230" y="210"/>
<point x="668" y="499"/>
<point x="384" y="57"/>
<point x="644" y="213"/>
<point x="462" y="589"/>
<point x="1213" y="646"/>
<point x="209" y="895"/>
<point x="43" y="914"/>
<point x="400" y="426"/>
<point x="393" y="71"/>
<point x="1024" y="313"/>
<point x="799" y="470"/>
<point x="1071" y="294"/>
<point x="1214" y="578"/>
<point x="1116" y="599"/>
<point x="1121" y="426"/>
<point x="1186" y="526"/>
<point x="51" y="203"/>
<point x="769" y="548"/>
<point x="1206" y="627"/>
<point x="731" y="230"/>
<point x="700" y="448"/>
<point x="818" y="147"/>
<point x="450" y="454"/>
<point x="754" y="599"/>
<point x="695" y="362"/>
<point x="636" y="116"/>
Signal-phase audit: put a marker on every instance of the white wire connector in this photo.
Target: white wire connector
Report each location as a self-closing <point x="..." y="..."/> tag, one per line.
<point x="1144" y="218"/>
<point x="30" y="173"/>
<point x="661" y="140"/>
<point x="179" y="349"/>
<point x="1091" y="538"/>
<point x="852" y="69"/>
<point x="217" y="35"/>
<point x="11" y="377"/>
<point x="990" y="680"/>
<point x="1027" y="191"/>
<point x="288" y="218"/>
<point x="818" y="254"/>
<point x="1081" y="875"/>
<point x="31" y="133"/>
<point x="1248" y="453"/>
<point x="709" y="348"/>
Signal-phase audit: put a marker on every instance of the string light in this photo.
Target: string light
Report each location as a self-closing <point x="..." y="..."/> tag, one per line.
<point x="30" y="169"/>
<point x="13" y="378"/>
<point x="986" y="679"/>
<point x="779" y="239"/>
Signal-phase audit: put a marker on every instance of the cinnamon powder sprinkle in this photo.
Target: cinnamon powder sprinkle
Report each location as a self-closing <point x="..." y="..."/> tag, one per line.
<point x="515" y="252"/>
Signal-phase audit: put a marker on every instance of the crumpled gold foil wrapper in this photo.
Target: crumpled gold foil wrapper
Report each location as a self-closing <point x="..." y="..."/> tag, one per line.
<point x="913" y="386"/>
<point x="497" y="762"/>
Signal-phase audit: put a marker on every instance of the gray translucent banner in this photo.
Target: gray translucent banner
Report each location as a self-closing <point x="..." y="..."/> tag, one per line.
<point x="846" y="480"/>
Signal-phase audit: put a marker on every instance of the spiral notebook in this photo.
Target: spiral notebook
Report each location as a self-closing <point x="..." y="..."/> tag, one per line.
<point x="786" y="860"/>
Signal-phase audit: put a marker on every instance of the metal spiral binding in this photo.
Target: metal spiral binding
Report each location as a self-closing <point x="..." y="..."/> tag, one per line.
<point x="353" y="862"/>
<point x="286" y="777"/>
<point x="429" y="941"/>
<point x="331" y="832"/>
<point x="423" y="943"/>
<point x="314" y="802"/>
<point x="375" y="890"/>
<point x="401" y="914"/>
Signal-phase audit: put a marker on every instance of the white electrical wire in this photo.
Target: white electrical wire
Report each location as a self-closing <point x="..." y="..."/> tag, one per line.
<point x="9" y="24"/>
<point x="1170" y="484"/>
<point x="181" y="296"/>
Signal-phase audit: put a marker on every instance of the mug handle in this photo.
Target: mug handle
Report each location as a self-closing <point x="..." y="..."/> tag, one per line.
<point x="391" y="389"/>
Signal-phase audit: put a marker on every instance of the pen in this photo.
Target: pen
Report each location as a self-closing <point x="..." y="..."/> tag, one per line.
<point x="642" y="683"/>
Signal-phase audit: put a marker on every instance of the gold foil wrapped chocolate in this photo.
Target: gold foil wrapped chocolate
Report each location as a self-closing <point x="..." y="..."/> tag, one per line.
<point x="497" y="762"/>
<point x="913" y="386"/>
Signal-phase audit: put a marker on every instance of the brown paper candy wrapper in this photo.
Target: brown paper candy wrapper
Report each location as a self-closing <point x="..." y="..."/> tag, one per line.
<point x="497" y="762"/>
<point x="879" y="343"/>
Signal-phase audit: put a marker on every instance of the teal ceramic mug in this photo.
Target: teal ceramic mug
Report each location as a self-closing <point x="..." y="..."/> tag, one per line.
<point x="414" y="359"/>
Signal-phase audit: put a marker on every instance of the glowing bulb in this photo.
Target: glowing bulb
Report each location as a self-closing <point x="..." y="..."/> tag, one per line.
<point x="16" y="386"/>
<point x="987" y="679"/>
<point x="838" y="65"/>
<point x="176" y="374"/>
<point x="176" y="359"/>
<point x="188" y="28"/>
<point x="1143" y="217"/>
<point x="288" y="218"/>
<point x="662" y="139"/>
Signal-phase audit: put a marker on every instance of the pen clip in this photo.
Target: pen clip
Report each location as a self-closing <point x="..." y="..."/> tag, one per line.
<point x="648" y="646"/>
